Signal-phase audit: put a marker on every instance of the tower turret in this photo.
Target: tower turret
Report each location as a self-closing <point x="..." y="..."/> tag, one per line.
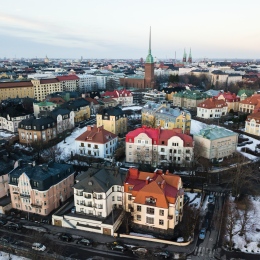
<point x="184" y="59"/>
<point x="190" y="57"/>
<point x="149" y="67"/>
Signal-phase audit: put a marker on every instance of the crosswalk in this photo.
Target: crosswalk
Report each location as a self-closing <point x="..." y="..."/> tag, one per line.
<point x="202" y="251"/>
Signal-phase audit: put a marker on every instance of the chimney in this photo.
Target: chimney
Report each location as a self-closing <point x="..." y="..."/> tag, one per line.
<point x="89" y="128"/>
<point x="163" y="184"/>
<point x="147" y="180"/>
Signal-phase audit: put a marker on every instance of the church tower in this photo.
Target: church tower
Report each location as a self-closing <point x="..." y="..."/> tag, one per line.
<point x="190" y="57"/>
<point x="149" y="67"/>
<point x="184" y="59"/>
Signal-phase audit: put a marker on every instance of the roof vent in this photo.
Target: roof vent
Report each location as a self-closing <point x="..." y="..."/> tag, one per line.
<point x="90" y="183"/>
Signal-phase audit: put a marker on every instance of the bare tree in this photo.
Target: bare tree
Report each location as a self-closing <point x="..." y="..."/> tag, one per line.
<point x="53" y="153"/>
<point x="231" y="220"/>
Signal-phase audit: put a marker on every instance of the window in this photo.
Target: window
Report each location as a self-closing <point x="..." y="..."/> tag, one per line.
<point x="161" y="212"/>
<point x="139" y="208"/>
<point x="161" y="222"/>
<point x="150" y="211"/>
<point x="149" y="220"/>
<point x="119" y="198"/>
<point x="113" y="198"/>
<point x="129" y="197"/>
<point x="138" y="218"/>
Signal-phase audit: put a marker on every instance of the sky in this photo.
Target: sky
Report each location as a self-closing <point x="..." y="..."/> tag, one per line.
<point x="119" y="29"/>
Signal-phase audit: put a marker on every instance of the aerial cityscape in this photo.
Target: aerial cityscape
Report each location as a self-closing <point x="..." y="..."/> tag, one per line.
<point x="120" y="140"/>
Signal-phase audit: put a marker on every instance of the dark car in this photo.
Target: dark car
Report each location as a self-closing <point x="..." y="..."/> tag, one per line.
<point x="249" y="142"/>
<point x="241" y="144"/>
<point x="116" y="246"/>
<point x="202" y="234"/>
<point x="85" y="242"/>
<point x="3" y="221"/>
<point x="65" y="237"/>
<point x="164" y="254"/>
<point x="14" y="226"/>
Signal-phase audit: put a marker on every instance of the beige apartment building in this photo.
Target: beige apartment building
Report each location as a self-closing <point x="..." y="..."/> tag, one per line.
<point x="215" y="142"/>
<point x="40" y="189"/>
<point x="113" y="120"/>
<point x="249" y="104"/>
<point x="16" y="89"/>
<point x="44" y="87"/>
<point x="252" y="124"/>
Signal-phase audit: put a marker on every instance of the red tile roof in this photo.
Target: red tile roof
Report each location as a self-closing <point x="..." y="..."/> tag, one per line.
<point x="212" y="103"/>
<point x="67" y="77"/>
<point x="57" y="100"/>
<point x="229" y="97"/>
<point x="96" y="134"/>
<point x="48" y="81"/>
<point x="164" y="188"/>
<point x="255" y="116"/>
<point x="253" y="100"/>
<point x="89" y="99"/>
<point x="159" y="135"/>
<point x="16" y="84"/>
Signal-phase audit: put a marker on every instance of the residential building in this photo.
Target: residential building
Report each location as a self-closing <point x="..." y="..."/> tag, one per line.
<point x="69" y="82"/>
<point x="252" y="124"/>
<point x="101" y="81"/>
<point x="231" y="99"/>
<point x="80" y="107"/>
<point x="212" y="108"/>
<point x="43" y="106"/>
<point x="170" y="91"/>
<point x="44" y="87"/>
<point x="40" y="189"/>
<point x="122" y="97"/>
<point x="158" y="146"/>
<point x="249" y="104"/>
<point x="155" y="201"/>
<point x="154" y="96"/>
<point x="37" y="130"/>
<point x="154" y="114"/>
<point x="234" y="78"/>
<point x="188" y="99"/>
<point x="93" y="104"/>
<point x="97" y="142"/>
<point x="87" y="83"/>
<point x="98" y="199"/>
<point x="107" y="102"/>
<point x="245" y="93"/>
<point x="215" y="142"/>
<point x="219" y="78"/>
<point x="14" y="89"/>
<point x="113" y="119"/>
<point x="11" y="116"/>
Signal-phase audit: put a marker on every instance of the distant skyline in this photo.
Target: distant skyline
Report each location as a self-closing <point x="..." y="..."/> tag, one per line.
<point x="118" y="29"/>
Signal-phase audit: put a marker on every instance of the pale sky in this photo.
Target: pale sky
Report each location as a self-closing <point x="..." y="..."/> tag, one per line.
<point x="119" y="29"/>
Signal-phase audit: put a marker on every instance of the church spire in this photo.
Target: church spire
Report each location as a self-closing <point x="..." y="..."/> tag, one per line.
<point x="149" y="58"/>
<point x="184" y="59"/>
<point x="190" y="57"/>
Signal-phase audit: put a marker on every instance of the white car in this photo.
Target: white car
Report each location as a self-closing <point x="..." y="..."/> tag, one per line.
<point x="38" y="247"/>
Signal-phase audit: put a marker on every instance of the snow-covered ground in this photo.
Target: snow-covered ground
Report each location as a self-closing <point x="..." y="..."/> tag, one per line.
<point x="7" y="256"/>
<point x="250" y="242"/>
<point x="4" y="134"/>
<point x="194" y="199"/>
<point x="132" y="108"/>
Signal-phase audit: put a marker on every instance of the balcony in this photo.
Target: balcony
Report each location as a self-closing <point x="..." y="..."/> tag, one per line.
<point x="25" y="196"/>
<point x="36" y="205"/>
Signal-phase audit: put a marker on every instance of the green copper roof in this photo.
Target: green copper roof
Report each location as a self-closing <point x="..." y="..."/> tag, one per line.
<point x="46" y="103"/>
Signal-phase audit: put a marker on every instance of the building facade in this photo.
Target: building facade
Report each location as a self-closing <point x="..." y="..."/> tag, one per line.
<point x="39" y="189"/>
<point x="162" y="115"/>
<point x="212" y="108"/>
<point x="216" y="142"/>
<point x="155" y="200"/>
<point x="231" y="99"/>
<point x="249" y="104"/>
<point x="113" y="119"/>
<point x="158" y="146"/>
<point x="43" y="106"/>
<point x="97" y="142"/>
<point x="252" y="124"/>
<point x="69" y="82"/>
<point x="16" y="89"/>
<point x="122" y="97"/>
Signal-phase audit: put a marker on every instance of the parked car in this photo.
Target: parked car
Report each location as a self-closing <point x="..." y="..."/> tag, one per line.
<point x="65" y="237"/>
<point x="202" y="234"/>
<point x="118" y="247"/>
<point x="13" y="226"/>
<point x="85" y="242"/>
<point x="248" y="142"/>
<point x="73" y="210"/>
<point x="180" y="239"/>
<point x="241" y="144"/>
<point x="211" y="199"/>
<point x="139" y="251"/>
<point x="164" y="254"/>
<point x="38" y="247"/>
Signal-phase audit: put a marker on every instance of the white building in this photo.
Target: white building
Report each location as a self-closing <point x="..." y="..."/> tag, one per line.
<point x="97" y="142"/>
<point x="87" y="82"/>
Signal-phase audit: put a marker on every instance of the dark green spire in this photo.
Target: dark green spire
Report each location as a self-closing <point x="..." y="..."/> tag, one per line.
<point x="149" y="58"/>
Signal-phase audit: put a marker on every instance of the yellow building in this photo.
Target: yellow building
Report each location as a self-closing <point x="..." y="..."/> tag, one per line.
<point x="113" y="119"/>
<point x="44" y="87"/>
<point x="16" y="89"/>
<point x="155" y="115"/>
